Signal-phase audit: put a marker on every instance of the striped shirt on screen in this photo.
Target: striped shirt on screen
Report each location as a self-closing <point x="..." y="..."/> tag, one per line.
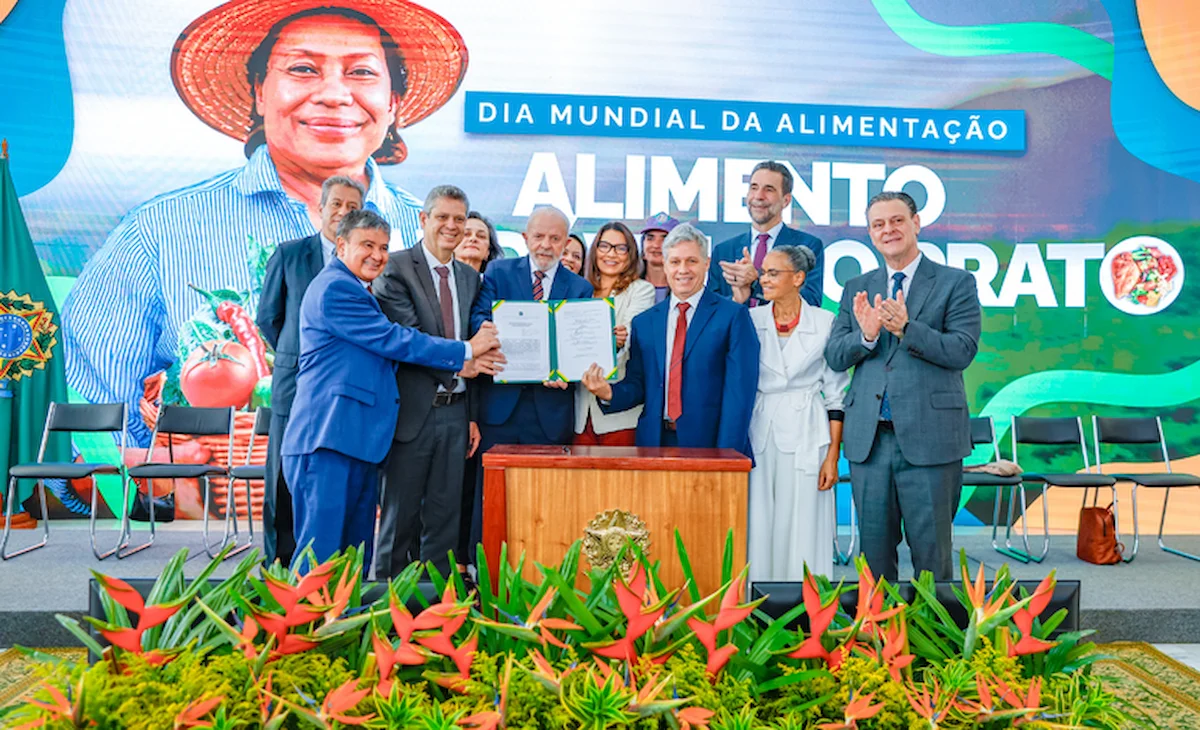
<point x="122" y="318"/>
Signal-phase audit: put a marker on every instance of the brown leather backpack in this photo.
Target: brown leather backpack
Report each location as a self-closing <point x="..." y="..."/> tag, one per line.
<point x="1097" y="538"/>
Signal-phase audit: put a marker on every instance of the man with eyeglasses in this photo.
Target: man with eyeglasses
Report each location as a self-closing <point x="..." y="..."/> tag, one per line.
<point x="736" y="263"/>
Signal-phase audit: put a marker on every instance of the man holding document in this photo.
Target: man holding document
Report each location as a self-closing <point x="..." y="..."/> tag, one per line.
<point x="693" y="360"/>
<point x="527" y="403"/>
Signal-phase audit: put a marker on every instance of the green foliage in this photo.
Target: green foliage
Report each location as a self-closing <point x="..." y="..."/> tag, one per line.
<point x="595" y="651"/>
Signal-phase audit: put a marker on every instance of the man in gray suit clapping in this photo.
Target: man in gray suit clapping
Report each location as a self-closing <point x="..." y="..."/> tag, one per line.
<point x="909" y="330"/>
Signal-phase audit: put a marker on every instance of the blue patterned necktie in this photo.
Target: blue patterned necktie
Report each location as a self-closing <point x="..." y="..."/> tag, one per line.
<point x="885" y="408"/>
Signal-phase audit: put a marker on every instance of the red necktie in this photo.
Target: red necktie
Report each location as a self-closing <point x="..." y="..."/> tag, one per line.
<point x="675" y="379"/>
<point x="369" y="290"/>
<point x="537" y="285"/>
<point x="447" y="302"/>
<point x="760" y="251"/>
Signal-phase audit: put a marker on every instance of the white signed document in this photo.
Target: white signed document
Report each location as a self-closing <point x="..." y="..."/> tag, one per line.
<point x="555" y="340"/>
<point x="583" y="331"/>
<point x="524" y="331"/>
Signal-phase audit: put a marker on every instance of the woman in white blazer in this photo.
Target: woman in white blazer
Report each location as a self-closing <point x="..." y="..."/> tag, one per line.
<point x="796" y="429"/>
<point x="612" y="267"/>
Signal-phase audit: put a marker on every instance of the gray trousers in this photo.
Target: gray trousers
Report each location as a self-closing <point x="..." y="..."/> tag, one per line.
<point x="422" y="494"/>
<point x="887" y="490"/>
<point x="279" y="536"/>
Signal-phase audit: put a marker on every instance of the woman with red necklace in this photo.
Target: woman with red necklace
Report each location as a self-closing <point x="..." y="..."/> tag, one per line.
<point x="796" y="429"/>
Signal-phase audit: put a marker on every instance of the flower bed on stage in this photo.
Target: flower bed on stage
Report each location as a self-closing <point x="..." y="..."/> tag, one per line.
<point x="282" y="651"/>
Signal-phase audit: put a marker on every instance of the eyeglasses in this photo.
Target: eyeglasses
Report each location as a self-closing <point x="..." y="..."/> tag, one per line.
<point x="605" y="247"/>
<point x="776" y="273"/>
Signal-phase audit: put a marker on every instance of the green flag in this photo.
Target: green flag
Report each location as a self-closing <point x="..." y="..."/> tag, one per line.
<point x="23" y="416"/>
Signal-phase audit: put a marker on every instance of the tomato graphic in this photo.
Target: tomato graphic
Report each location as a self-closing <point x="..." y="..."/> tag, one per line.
<point x="218" y="374"/>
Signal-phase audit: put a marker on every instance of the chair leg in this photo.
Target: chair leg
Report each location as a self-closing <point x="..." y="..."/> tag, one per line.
<point x="1137" y="534"/>
<point x="231" y="509"/>
<point x="214" y="549"/>
<point x="127" y="523"/>
<point x="996" y="517"/>
<point x="1162" y="522"/>
<point x="839" y="557"/>
<point x="1026" y="555"/>
<point x="122" y="534"/>
<point x="9" y="501"/>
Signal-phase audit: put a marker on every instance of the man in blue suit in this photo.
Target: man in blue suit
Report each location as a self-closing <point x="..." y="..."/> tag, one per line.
<point x="344" y="413"/>
<point x="290" y="270"/>
<point x="527" y="414"/>
<point x="693" y="361"/>
<point x="737" y="262"/>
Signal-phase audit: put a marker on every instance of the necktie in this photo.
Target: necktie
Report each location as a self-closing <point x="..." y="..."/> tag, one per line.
<point x="885" y="408"/>
<point x="446" y="300"/>
<point x="369" y="289"/>
<point x="760" y="250"/>
<point x="675" y="379"/>
<point x="537" y="285"/>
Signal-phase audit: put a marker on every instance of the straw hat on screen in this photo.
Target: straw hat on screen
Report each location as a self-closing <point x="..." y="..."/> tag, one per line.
<point x="209" y="64"/>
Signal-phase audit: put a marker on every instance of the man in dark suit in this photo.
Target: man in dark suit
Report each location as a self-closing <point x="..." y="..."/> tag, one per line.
<point x="527" y="414"/>
<point x="737" y="262"/>
<point x="437" y="431"/>
<point x="693" y="360"/>
<point x="343" y="417"/>
<point x="907" y="425"/>
<point x="292" y="267"/>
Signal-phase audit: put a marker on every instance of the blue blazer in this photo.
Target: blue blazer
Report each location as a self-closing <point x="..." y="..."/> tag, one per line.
<point x="346" y="397"/>
<point x="290" y="270"/>
<point x="731" y="250"/>
<point x="720" y="375"/>
<point x="511" y="279"/>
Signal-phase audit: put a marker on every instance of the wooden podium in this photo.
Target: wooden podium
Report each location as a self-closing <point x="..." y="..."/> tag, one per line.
<point x="539" y="499"/>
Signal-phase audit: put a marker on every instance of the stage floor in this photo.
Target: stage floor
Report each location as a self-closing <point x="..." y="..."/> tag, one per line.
<point x="1155" y="599"/>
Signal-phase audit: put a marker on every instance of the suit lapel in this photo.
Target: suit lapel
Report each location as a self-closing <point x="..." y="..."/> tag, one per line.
<point x="558" y="290"/>
<point x="465" y="284"/>
<point x="704" y="312"/>
<point x="658" y="336"/>
<point x="314" y="257"/>
<point x="772" y="351"/>
<point x="525" y="278"/>
<point x="421" y="271"/>
<point x="922" y="283"/>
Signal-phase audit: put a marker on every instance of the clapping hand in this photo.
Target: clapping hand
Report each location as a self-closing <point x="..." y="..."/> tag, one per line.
<point x="595" y="382"/>
<point x="740" y="275"/>
<point x="894" y="314"/>
<point x="869" y="317"/>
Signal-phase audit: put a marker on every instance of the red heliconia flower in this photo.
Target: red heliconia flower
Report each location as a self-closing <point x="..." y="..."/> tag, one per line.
<point x="293" y="644"/>
<point x="344" y="698"/>
<point x="869" y="612"/>
<point x="1023" y="618"/>
<point x="894" y="648"/>
<point x="819" y="619"/>
<point x="640" y="616"/>
<point x="130" y="639"/>
<point x="693" y="717"/>
<point x="247" y="634"/>
<point x="288" y="595"/>
<point x="859" y="708"/>
<point x="193" y="714"/>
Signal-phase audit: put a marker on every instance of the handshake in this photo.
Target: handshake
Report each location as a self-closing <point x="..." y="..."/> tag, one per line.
<point x="486" y="358"/>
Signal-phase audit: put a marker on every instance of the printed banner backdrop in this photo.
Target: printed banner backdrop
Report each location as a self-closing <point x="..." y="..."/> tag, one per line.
<point x="1050" y="147"/>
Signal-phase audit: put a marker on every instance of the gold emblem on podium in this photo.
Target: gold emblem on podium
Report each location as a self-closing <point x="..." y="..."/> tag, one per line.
<point x="605" y="535"/>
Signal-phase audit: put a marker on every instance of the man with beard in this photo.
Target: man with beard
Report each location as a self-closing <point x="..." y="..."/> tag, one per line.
<point x="738" y="261"/>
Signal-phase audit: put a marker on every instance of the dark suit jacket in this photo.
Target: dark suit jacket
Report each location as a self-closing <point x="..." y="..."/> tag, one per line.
<point x="346" y="397"/>
<point x="407" y="293"/>
<point x="720" y="375"/>
<point x="731" y="250"/>
<point x="922" y="372"/>
<point x="290" y="270"/>
<point x="511" y="279"/>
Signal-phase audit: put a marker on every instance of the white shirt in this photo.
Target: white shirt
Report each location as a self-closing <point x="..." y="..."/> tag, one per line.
<point x="328" y="249"/>
<point x="672" y="320"/>
<point x="460" y="385"/>
<point x="755" y="233"/>
<point x="905" y="285"/>
<point x="547" y="280"/>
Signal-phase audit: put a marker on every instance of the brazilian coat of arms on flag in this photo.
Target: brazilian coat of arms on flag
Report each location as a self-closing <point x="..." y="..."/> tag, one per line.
<point x="26" y="335"/>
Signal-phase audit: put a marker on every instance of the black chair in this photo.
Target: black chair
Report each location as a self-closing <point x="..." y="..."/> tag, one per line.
<point x="1131" y="431"/>
<point x="1066" y="431"/>
<point x="782" y="596"/>
<point x="72" y="418"/>
<point x="839" y="557"/>
<point x="249" y="472"/>
<point x="983" y="431"/>
<point x="186" y="421"/>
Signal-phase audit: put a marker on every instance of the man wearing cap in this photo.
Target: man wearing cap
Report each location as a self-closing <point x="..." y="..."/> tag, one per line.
<point x="736" y="262"/>
<point x="233" y="68"/>
<point x="653" y="233"/>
